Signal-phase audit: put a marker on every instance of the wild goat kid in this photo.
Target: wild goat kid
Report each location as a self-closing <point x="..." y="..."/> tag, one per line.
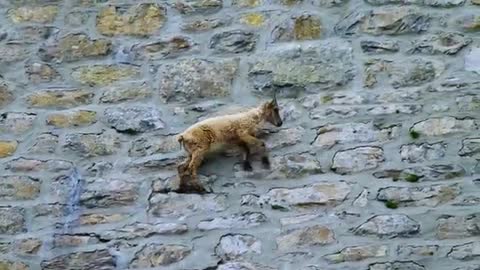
<point x="235" y="129"/>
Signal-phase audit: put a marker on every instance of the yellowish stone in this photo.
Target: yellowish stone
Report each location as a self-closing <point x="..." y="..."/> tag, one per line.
<point x="72" y="119"/>
<point x="476" y="2"/>
<point x="253" y="19"/>
<point x="247" y="3"/>
<point x="95" y="219"/>
<point x="139" y="20"/>
<point x="60" y="98"/>
<point x="7" y="148"/>
<point x="44" y="14"/>
<point x="306" y="27"/>
<point x="104" y="75"/>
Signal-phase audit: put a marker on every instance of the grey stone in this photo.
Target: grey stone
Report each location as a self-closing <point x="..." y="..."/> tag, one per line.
<point x="235" y="41"/>
<point x="177" y="205"/>
<point x="306" y="237"/>
<point x="91" y="144"/>
<point x="298" y="27"/>
<point x="465" y="252"/>
<point x="432" y="196"/>
<point x="470" y="148"/>
<point x="242" y="265"/>
<point x="330" y="135"/>
<point x="31" y="165"/>
<point x="19" y="187"/>
<point x="190" y="79"/>
<point x="357" y="253"/>
<point x="125" y="93"/>
<point x="156" y="255"/>
<point x="388" y="226"/>
<point x="144" y="230"/>
<point x="382" y="46"/>
<point x="44" y="143"/>
<point x="292" y="71"/>
<point x="362" y="199"/>
<point x="233" y="246"/>
<point x="357" y="159"/>
<point x="188" y="7"/>
<point x="326" y="193"/>
<point x="12" y="220"/>
<point x="404" y="265"/>
<point x="165" y="48"/>
<point x="436" y="172"/>
<point x="394" y="109"/>
<point x="103" y="193"/>
<point x="244" y="220"/>
<point x="413" y="73"/>
<point x="146" y="146"/>
<point x="439" y="126"/>
<point x="414" y="153"/>
<point x="442" y="43"/>
<point x="284" y="138"/>
<point x="98" y="259"/>
<point x="472" y="60"/>
<point x="457" y="227"/>
<point x="16" y="122"/>
<point x="408" y="251"/>
<point x="134" y="119"/>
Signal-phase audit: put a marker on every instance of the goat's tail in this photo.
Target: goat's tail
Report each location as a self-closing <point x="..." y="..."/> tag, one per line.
<point x="180" y="140"/>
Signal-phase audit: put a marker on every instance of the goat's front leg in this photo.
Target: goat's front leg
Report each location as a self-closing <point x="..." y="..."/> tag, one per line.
<point x="251" y="141"/>
<point x="196" y="161"/>
<point x="246" y="156"/>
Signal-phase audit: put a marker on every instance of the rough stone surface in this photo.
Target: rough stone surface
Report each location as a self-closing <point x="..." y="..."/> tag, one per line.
<point x="380" y="107"/>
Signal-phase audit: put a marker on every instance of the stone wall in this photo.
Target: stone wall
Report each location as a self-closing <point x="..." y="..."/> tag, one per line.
<point x="374" y="168"/>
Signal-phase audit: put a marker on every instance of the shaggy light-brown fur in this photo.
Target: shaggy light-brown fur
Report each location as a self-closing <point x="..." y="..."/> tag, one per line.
<point x="215" y="133"/>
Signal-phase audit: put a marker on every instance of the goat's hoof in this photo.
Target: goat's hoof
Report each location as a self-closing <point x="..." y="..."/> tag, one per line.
<point x="247" y="166"/>
<point x="266" y="162"/>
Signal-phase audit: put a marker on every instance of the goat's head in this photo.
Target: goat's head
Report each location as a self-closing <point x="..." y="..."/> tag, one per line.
<point x="272" y="113"/>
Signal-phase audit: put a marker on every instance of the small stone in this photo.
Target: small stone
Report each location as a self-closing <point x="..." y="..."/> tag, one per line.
<point x="97" y="219"/>
<point x="242" y="265"/>
<point x="13" y="265"/>
<point x="298" y="219"/>
<point x="284" y="138"/>
<point x="191" y="79"/>
<point x="468" y="23"/>
<point x="235" y="41"/>
<point x="102" y="75"/>
<point x="167" y="48"/>
<point x="302" y="27"/>
<point x="103" y="193"/>
<point x="243" y="220"/>
<point x="177" y="205"/>
<point x="293" y="71"/>
<point x="306" y="237"/>
<point x="202" y="25"/>
<point x="357" y="253"/>
<point x="119" y="94"/>
<point x="144" y="230"/>
<point x="155" y="163"/>
<point x="290" y="166"/>
<point x="394" y="109"/>
<point x="44" y="143"/>
<point x="465" y="252"/>
<point x="6" y="95"/>
<point x="12" y="220"/>
<point x="76" y="18"/>
<point x="254" y="19"/>
<point x="33" y="34"/>
<point x="389" y="226"/>
<point x="156" y="255"/>
<point x="74" y="47"/>
<point x="415" y="153"/>
<point x="468" y="102"/>
<point x="432" y="196"/>
<point x="41" y="73"/>
<point x="456" y="227"/>
<point x="470" y="148"/>
<point x="384" y="21"/>
<point x="13" y="52"/>
<point x="28" y="246"/>
<point x="97" y="259"/>
<point x="234" y="246"/>
<point x="7" y="148"/>
<point x="362" y="199"/>
<point x="45" y="14"/>
<point x="133" y="119"/>
<point x="443" y="43"/>
<point x="60" y="98"/>
<point x="408" y="251"/>
<point x="146" y="146"/>
<point x="192" y="7"/>
<point x="16" y="123"/>
<point x="377" y="47"/>
<point x="246" y="3"/>
<point x="472" y="60"/>
<point x="19" y="187"/>
<point x="440" y="126"/>
<point x="476" y="2"/>
<point x="328" y="194"/>
<point x="72" y="119"/>
<point x="404" y="265"/>
<point x="330" y="135"/>
<point x="74" y="240"/>
<point x="139" y="20"/>
<point x="436" y="172"/>
<point x="91" y="144"/>
<point x="357" y="159"/>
